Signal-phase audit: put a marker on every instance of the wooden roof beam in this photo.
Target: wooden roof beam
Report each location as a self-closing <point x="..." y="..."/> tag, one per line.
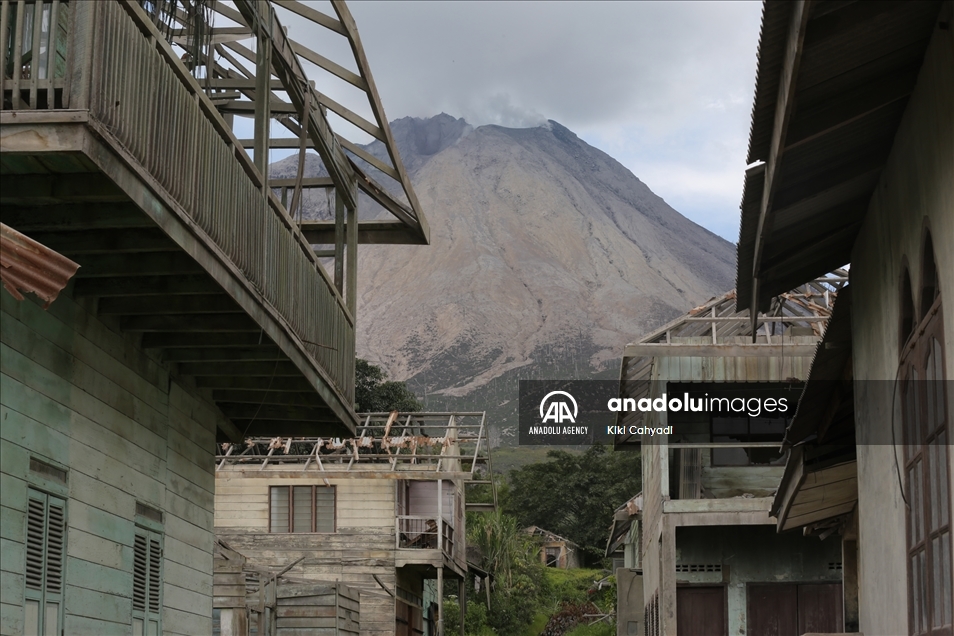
<point x="818" y="120"/>
<point x="315" y="16"/>
<point x="289" y="70"/>
<point x="718" y="350"/>
<point x="347" y="20"/>
<point x="332" y="67"/>
<point x="369" y="233"/>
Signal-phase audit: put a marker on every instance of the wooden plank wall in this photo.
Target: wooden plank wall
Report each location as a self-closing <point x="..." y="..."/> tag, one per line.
<point x="77" y="393"/>
<point x="317" y="610"/>
<point x="362" y="546"/>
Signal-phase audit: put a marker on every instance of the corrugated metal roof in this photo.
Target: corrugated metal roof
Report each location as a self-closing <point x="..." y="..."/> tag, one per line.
<point x="31" y="267"/>
<point x="859" y="62"/>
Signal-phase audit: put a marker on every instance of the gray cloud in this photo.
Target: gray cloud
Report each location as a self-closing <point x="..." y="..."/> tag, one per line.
<point x="664" y="87"/>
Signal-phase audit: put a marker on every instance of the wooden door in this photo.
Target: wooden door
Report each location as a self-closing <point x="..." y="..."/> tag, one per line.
<point x="772" y="610"/>
<point x="789" y="609"/>
<point x="701" y="611"/>
<point x="820" y="608"/>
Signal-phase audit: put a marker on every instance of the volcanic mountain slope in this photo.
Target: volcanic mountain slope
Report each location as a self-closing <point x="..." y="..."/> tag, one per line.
<point x="546" y="257"/>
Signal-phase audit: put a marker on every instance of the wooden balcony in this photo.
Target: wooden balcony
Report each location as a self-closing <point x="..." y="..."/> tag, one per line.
<point x="112" y="154"/>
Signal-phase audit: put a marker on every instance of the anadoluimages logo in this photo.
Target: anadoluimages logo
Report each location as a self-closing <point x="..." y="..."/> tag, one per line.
<point x="558" y="410"/>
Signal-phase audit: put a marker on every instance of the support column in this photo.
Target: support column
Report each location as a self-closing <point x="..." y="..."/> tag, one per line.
<point x="440" y="601"/>
<point x="849" y="575"/>
<point x="667" y="577"/>
<point x="263" y="75"/>
<point x="352" y="237"/>
<point x="462" y="600"/>
<point x="339" y="241"/>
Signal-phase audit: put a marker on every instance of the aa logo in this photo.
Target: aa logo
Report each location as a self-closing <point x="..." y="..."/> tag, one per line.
<point x="559" y="410"/>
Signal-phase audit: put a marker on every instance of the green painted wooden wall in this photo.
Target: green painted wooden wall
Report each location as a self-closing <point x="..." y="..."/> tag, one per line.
<point x="79" y="394"/>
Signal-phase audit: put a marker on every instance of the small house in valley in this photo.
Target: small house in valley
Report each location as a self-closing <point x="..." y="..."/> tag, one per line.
<point x="555" y="551"/>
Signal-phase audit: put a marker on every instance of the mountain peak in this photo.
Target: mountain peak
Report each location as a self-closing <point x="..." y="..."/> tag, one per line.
<point x="425" y="137"/>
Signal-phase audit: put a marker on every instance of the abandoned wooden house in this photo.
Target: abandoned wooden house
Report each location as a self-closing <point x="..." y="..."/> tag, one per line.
<point x="554" y="551"/>
<point x="250" y="601"/>
<point x="201" y="310"/>
<point x="710" y="560"/>
<point x="625" y="548"/>
<point x="382" y="512"/>
<point x="853" y="132"/>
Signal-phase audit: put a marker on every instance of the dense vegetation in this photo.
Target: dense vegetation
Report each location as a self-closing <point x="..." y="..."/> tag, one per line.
<point x="526" y="598"/>
<point x="574" y="494"/>
<point x="570" y="493"/>
<point x="374" y="393"/>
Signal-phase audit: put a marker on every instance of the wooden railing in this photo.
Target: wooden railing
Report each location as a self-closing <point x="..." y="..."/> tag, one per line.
<point x="422" y="533"/>
<point x="110" y="60"/>
<point x="33" y="53"/>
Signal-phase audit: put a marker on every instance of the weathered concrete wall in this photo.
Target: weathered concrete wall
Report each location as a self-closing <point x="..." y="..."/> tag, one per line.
<point x="630" y="611"/>
<point x="916" y="188"/>
<point x="754" y="554"/>
<point x="77" y="393"/>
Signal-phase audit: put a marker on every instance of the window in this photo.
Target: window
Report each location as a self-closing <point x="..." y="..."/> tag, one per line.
<point x="927" y="444"/>
<point x="745" y="429"/>
<point x="301" y="509"/>
<point x="147" y="583"/>
<point x="906" y="326"/>
<point x="45" y="551"/>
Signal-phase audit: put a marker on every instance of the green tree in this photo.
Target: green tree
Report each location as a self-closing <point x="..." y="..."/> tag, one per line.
<point x="374" y="393"/>
<point x="520" y="587"/>
<point x="574" y="495"/>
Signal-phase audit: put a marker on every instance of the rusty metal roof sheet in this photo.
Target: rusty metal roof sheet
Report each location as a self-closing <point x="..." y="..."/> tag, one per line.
<point x="28" y="266"/>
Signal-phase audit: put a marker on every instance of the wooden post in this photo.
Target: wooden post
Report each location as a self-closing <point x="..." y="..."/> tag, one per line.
<point x="440" y="518"/>
<point x="462" y="599"/>
<point x="352" y="237"/>
<point x="440" y="598"/>
<point x="263" y="74"/>
<point x="339" y="241"/>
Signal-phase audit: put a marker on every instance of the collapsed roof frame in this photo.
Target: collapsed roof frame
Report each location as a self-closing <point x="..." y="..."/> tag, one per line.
<point x="723" y="325"/>
<point x="390" y="445"/>
<point x="267" y="81"/>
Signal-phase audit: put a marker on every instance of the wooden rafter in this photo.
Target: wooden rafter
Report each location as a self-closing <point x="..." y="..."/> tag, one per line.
<point x="334" y="149"/>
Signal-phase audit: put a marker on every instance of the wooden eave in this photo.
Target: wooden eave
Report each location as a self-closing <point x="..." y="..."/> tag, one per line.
<point x="820" y="482"/>
<point x="832" y="84"/>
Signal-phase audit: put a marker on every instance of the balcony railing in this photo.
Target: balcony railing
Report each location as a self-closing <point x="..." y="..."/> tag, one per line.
<point x="422" y="533"/>
<point x="107" y="58"/>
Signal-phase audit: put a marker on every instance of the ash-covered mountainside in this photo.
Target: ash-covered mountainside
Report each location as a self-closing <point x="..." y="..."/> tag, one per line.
<point x="546" y="257"/>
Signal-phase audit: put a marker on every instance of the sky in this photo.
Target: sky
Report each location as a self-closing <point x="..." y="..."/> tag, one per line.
<point x="665" y="88"/>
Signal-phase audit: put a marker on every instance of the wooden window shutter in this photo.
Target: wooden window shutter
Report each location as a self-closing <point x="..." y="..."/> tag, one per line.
<point x="147" y="582"/>
<point x="45" y="555"/>
<point x="140" y="565"/>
